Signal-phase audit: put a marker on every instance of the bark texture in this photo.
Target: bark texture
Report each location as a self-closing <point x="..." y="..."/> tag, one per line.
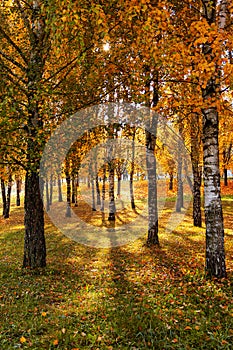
<point x="34" y="246"/>
<point x="152" y="237"/>
<point x="132" y="170"/>
<point x="197" y="173"/>
<point x="34" y="241"/>
<point x="215" y="253"/>
<point x="151" y="135"/>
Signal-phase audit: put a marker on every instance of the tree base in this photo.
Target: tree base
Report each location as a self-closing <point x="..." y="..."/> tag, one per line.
<point x="111" y="217"/>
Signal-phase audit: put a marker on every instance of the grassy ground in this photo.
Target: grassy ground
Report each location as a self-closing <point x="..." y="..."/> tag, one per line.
<point x="129" y="297"/>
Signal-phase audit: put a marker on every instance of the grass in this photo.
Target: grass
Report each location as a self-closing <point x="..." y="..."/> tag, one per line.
<point x="129" y="297"/>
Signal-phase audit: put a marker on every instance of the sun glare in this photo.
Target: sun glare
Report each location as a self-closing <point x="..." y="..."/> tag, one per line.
<point x="106" y="47"/>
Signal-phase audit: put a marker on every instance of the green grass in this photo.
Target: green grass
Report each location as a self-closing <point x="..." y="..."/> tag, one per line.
<point x="130" y="297"/>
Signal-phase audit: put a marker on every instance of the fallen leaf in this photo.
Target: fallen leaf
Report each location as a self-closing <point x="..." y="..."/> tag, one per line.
<point x="55" y="342"/>
<point x="23" y="340"/>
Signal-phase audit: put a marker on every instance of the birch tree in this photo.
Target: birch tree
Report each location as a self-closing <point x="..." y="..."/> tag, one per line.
<point x="215" y="254"/>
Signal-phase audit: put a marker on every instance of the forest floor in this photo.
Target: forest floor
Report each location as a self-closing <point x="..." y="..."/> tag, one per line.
<point x="126" y="297"/>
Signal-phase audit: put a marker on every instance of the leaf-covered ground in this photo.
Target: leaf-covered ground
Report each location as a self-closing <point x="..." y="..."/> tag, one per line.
<point x="129" y="297"/>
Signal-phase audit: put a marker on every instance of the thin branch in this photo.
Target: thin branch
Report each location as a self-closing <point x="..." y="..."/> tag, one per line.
<point x="228" y="87"/>
<point x="17" y="48"/>
<point x="62" y="79"/>
<point x="13" y="74"/>
<point x="10" y="59"/>
<point x="17" y="84"/>
<point x="68" y="64"/>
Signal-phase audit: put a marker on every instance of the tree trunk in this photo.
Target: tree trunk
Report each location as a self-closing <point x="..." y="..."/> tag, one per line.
<point x="34" y="241"/>
<point x="88" y="181"/>
<point x="38" y="47"/>
<point x="93" y="194"/>
<point x="98" y="201"/>
<point x="170" y="181"/>
<point x="59" y="188"/>
<point x="132" y="172"/>
<point x="197" y="174"/>
<point x="179" y="200"/>
<point x="103" y="188"/>
<point x="118" y="186"/>
<point x="112" y="206"/>
<point x="111" y="172"/>
<point x="76" y="183"/>
<point x="8" y="198"/>
<point x="215" y="253"/>
<point x="225" y="177"/>
<point x="73" y="185"/>
<point x="51" y="190"/>
<point x="3" y="189"/>
<point x="68" y="189"/>
<point x="151" y="135"/>
<point x="18" y="191"/>
<point x="180" y="190"/>
<point x="92" y="182"/>
<point x="197" y="219"/>
<point x="153" y="229"/>
<point x="47" y="194"/>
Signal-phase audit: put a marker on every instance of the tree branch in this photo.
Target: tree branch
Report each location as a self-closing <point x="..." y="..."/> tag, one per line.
<point x="17" y="48"/>
<point x="10" y="59"/>
<point x="17" y="84"/>
<point x="13" y="74"/>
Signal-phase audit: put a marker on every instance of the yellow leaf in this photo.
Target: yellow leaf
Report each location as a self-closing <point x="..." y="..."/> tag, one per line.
<point x="43" y="314"/>
<point x="187" y="328"/>
<point x="23" y="340"/>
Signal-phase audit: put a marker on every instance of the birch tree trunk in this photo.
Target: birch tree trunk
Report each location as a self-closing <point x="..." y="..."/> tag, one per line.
<point x="103" y="188"/>
<point x="152" y="237"/>
<point x="151" y="135"/>
<point x="112" y="206"/>
<point x="132" y="170"/>
<point x="195" y="160"/>
<point x="68" y="189"/>
<point x="179" y="200"/>
<point x="215" y="254"/>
